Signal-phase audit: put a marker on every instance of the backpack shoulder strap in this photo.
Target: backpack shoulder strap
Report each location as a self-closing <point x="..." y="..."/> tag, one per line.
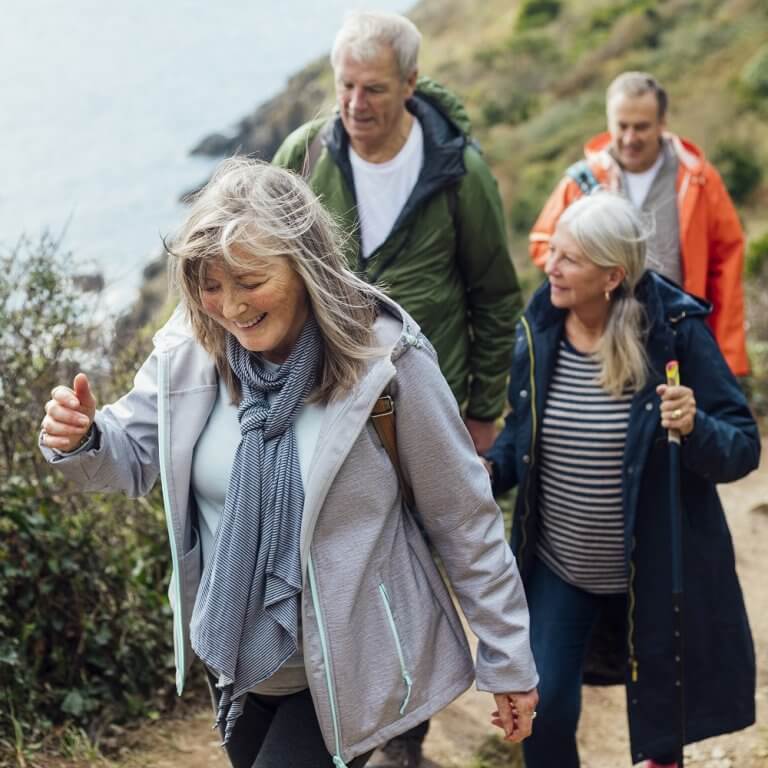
<point x="383" y="420"/>
<point x="582" y="174"/>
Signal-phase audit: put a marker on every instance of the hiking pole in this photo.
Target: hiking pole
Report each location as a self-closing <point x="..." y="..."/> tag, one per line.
<point x="676" y="540"/>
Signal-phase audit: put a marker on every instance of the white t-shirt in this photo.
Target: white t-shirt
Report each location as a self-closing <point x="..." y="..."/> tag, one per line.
<point x="638" y="184"/>
<point x="383" y="189"/>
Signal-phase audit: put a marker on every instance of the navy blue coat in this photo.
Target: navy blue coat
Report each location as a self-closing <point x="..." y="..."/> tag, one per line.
<point x="719" y="661"/>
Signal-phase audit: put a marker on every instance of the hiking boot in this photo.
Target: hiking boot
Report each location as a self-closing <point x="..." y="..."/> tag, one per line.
<point x="398" y="753"/>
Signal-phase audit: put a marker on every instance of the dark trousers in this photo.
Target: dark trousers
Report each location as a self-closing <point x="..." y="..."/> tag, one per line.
<point x="280" y="732"/>
<point x="418" y="733"/>
<point x="562" y="620"/>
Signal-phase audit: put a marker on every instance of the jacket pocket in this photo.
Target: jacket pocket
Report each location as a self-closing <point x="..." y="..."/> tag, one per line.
<point x="398" y="647"/>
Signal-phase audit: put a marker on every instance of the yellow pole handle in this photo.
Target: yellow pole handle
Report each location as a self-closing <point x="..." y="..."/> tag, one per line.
<point x="673" y="380"/>
<point x="673" y="373"/>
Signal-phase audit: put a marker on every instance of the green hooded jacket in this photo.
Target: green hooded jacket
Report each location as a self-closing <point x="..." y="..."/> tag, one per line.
<point x="446" y="259"/>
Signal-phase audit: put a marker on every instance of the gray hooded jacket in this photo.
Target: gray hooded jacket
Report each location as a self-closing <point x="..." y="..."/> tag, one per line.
<point x="384" y="648"/>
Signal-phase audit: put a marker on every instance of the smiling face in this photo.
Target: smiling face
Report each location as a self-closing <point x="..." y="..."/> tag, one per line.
<point x="636" y="130"/>
<point x="371" y="96"/>
<point x="576" y="283"/>
<point x="264" y="308"/>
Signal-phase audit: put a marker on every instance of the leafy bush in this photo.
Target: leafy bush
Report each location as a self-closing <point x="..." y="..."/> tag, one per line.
<point x="496" y="753"/>
<point x="537" y="13"/>
<point x="739" y="167"/>
<point x="754" y="75"/>
<point x="536" y="184"/>
<point x="516" y="108"/>
<point x="757" y="256"/>
<point x="606" y="17"/>
<point x="84" y="637"/>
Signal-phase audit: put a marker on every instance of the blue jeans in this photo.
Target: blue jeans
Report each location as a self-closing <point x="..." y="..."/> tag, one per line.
<point x="562" y="620"/>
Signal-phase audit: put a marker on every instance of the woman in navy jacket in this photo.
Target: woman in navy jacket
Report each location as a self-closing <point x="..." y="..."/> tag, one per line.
<point x="598" y="288"/>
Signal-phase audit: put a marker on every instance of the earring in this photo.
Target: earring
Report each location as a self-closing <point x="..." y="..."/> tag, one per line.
<point x="607" y="295"/>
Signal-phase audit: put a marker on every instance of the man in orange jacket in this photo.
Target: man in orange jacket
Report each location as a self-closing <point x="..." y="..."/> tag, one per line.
<point x="698" y="241"/>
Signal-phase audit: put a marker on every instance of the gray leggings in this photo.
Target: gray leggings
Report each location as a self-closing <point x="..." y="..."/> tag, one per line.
<point x="280" y="732"/>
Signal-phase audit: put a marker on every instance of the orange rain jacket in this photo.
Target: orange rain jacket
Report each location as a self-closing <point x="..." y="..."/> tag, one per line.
<point x="711" y="237"/>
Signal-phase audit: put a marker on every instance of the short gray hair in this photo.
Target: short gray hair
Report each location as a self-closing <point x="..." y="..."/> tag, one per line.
<point x="611" y="233"/>
<point x="364" y="34"/>
<point x="634" y="84"/>
<point x="252" y="209"/>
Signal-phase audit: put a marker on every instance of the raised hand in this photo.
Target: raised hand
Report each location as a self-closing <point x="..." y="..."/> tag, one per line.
<point x="68" y="415"/>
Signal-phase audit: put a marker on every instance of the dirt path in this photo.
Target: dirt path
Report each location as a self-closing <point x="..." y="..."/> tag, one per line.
<point x="458" y="731"/>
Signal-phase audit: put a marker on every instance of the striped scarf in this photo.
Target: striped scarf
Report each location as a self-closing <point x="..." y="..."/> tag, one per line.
<point x="245" y="621"/>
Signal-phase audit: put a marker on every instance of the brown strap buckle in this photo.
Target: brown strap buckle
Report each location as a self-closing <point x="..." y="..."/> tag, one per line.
<point x="384" y="406"/>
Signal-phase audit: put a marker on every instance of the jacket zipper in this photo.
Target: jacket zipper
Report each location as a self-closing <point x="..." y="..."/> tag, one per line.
<point x="163" y="415"/>
<point x="338" y="762"/>
<point x="532" y="450"/>
<point x="633" y="665"/>
<point x="398" y="645"/>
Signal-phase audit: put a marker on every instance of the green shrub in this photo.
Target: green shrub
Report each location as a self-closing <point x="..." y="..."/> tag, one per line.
<point x="754" y="75"/>
<point x="496" y="753"/>
<point x="517" y="107"/>
<point x="739" y="167"/>
<point x="758" y="380"/>
<point x="757" y="255"/>
<point x="536" y="183"/>
<point x="537" y="13"/>
<point x="84" y="634"/>
<point x="607" y="16"/>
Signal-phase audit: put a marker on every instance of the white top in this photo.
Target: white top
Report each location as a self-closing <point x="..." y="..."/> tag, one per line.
<point x="638" y="184"/>
<point x="215" y="453"/>
<point x="211" y="468"/>
<point x="383" y="189"/>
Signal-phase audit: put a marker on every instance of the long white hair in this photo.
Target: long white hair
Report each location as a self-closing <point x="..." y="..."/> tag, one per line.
<point x="610" y="232"/>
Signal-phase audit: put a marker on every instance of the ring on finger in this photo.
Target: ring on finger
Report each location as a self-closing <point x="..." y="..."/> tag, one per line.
<point x="677" y="413"/>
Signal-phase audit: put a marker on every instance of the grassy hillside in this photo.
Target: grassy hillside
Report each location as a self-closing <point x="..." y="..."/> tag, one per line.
<point x="533" y="74"/>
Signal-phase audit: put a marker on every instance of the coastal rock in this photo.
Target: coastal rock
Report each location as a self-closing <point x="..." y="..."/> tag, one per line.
<point x="215" y="145"/>
<point x="89" y="283"/>
<point x="261" y="133"/>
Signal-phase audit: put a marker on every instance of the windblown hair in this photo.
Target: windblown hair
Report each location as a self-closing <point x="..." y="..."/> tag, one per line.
<point x="634" y="84"/>
<point x="611" y="233"/>
<point x="364" y="34"/>
<point x="250" y="210"/>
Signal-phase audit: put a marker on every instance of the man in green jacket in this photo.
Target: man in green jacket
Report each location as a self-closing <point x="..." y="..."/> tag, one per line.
<point x="398" y="167"/>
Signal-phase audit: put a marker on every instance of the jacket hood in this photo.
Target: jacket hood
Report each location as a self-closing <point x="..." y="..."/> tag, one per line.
<point x="446" y="102"/>
<point x="176" y="330"/>
<point x="664" y="303"/>
<point x="691" y="156"/>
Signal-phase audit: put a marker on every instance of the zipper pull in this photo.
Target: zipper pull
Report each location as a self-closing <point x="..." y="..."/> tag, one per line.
<point x="634" y="665"/>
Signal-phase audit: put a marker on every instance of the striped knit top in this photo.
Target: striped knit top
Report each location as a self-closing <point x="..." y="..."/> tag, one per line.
<point x="584" y="428"/>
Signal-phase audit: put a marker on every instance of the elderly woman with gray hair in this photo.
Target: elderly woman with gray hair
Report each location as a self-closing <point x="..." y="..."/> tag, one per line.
<point x="585" y="444"/>
<point x="300" y="578"/>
